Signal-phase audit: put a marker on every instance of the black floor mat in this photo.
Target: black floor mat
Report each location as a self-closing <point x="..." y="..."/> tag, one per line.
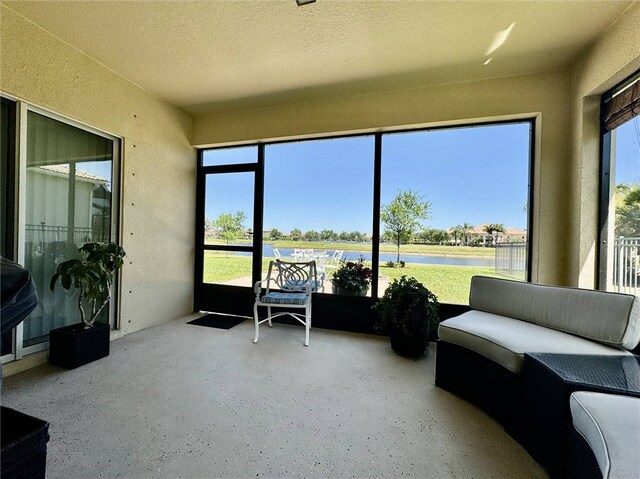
<point x="219" y="321"/>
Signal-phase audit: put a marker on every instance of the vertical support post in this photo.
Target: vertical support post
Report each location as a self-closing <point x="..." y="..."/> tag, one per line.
<point x="375" y="228"/>
<point x="619" y="278"/>
<point x="258" y="212"/>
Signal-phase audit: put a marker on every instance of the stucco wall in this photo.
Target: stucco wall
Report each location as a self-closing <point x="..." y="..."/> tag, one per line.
<point x="615" y="56"/>
<point x="158" y="183"/>
<point x="543" y="95"/>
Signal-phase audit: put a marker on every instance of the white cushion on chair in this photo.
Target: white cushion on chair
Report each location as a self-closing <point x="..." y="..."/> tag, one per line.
<point x="611" y="426"/>
<point x="284" y="298"/>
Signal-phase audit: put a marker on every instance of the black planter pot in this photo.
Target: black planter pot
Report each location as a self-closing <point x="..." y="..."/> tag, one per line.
<point x="349" y="292"/>
<point x="407" y="345"/>
<point x="413" y="341"/>
<point x="24" y="445"/>
<point x="73" y="346"/>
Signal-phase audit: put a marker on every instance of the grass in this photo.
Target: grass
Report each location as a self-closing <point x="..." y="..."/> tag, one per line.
<point x="449" y="283"/>
<point x="431" y="249"/>
<point x="218" y="267"/>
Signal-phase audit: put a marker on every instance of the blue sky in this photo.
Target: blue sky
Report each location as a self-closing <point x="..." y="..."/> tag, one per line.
<point x="474" y="175"/>
<point x="627" y="159"/>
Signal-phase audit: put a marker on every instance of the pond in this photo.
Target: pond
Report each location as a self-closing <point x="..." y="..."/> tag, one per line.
<point x="267" y="252"/>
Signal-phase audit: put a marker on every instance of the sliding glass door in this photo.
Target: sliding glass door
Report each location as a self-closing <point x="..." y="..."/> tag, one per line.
<point x="7" y="196"/>
<point x="59" y="191"/>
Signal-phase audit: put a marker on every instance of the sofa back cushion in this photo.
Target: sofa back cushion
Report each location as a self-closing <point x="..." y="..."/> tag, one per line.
<point x="609" y="318"/>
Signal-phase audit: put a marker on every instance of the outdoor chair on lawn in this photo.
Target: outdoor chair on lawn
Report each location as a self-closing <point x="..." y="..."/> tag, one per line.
<point x="295" y="283"/>
<point x="334" y="260"/>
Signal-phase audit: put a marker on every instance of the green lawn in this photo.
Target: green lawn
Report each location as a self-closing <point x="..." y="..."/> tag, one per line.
<point x="449" y="283"/>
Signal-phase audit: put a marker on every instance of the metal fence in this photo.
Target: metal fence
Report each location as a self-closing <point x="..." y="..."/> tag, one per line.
<point x="511" y="260"/>
<point x="46" y="234"/>
<point x="626" y="265"/>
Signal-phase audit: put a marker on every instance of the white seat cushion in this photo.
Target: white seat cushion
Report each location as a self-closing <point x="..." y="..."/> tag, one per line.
<point x="612" y="319"/>
<point x="611" y="426"/>
<point x="505" y="340"/>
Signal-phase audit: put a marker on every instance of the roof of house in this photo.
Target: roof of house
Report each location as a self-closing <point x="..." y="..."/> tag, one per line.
<point x="64" y="170"/>
<point x="479" y="229"/>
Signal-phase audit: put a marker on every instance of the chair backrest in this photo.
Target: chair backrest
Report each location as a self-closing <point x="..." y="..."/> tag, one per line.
<point x="336" y="257"/>
<point x="293" y="276"/>
<point x="322" y="259"/>
<point x="276" y="253"/>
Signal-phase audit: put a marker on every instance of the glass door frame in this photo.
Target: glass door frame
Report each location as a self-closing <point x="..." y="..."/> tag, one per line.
<point x="22" y="109"/>
<point x="607" y="182"/>
<point x="219" y="297"/>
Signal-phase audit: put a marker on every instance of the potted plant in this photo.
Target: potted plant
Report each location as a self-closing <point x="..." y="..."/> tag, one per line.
<point x="352" y="278"/>
<point x="408" y="312"/>
<point x="92" y="275"/>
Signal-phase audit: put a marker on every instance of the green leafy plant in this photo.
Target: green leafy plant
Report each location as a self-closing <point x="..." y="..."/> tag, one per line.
<point x="408" y="306"/>
<point x="92" y="275"/>
<point x="352" y="276"/>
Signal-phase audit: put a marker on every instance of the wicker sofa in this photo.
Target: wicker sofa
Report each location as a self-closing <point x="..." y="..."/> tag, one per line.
<point x="481" y="352"/>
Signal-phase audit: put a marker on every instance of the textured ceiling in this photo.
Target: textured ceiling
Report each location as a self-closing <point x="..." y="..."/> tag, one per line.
<point x="202" y="56"/>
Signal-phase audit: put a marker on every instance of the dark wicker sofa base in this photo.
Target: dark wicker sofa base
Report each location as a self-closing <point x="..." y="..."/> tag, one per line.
<point x="581" y="462"/>
<point x="481" y="381"/>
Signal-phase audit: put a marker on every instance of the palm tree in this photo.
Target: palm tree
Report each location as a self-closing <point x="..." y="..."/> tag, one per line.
<point x="458" y="233"/>
<point x="493" y="229"/>
<point x="466" y="229"/>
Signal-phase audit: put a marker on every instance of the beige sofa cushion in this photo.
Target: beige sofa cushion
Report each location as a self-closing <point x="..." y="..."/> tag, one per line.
<point x="505" y="340"/>
<point x="611" y="426"/>
<point x="609" y="318"/>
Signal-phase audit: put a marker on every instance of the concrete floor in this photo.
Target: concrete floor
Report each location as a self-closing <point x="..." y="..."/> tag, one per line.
<point x="184" y="401"/>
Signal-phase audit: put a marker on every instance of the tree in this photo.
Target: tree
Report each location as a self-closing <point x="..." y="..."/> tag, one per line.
<point x="275" y="234"/>
<point x="433" y="236"/>
<point x="311" y="235"/>
<point x="466" y="229"/>
<point x="208" y="226"/>
<point x="627" y="210"/>
<point x="357" y="237"/>
<point x="296" y="234"/>
<point x="328" y="235"/>
<point x="440" y="236"/>
<point x="230" y="227"/>
<point x="458" y="234"/>
<point x="403" y="216"/>
<point x="493" y="229"/>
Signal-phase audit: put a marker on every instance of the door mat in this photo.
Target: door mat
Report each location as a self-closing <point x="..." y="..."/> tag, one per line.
<point x="219" y="321"/>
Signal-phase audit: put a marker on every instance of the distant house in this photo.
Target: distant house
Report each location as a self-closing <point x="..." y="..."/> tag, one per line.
<point x="512" y="235"/>
<point x="92" y="199"/>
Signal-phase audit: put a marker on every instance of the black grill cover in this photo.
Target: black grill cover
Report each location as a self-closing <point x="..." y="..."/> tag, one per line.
<point x="18" y="295"/>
